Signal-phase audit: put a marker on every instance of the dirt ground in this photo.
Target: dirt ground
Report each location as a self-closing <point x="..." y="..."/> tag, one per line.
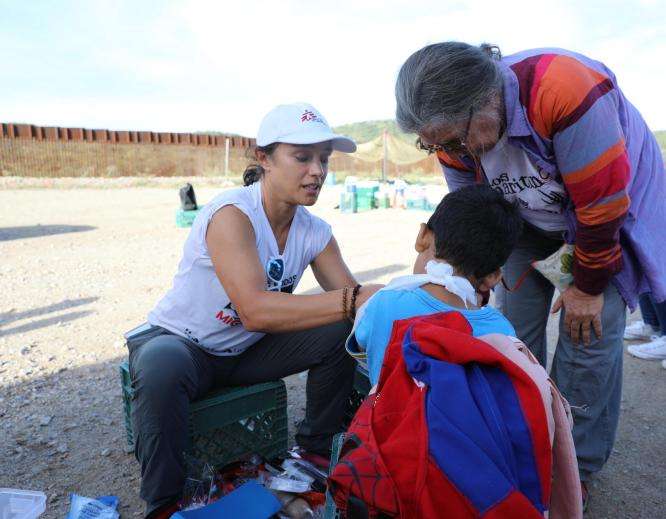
<point x="81" y="266"/>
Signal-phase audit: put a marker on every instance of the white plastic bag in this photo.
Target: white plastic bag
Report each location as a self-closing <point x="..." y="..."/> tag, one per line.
<point x="558" y="267"/>
<point x="21" y="504"/>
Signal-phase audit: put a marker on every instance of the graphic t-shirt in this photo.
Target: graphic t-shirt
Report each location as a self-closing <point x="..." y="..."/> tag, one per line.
<point x="541" y="197"/>
<point x="373" y="332"/>
<point x="197" y="306"/>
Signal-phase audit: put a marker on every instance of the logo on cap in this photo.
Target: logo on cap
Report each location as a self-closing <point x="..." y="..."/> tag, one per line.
<point x="310" y="116"/>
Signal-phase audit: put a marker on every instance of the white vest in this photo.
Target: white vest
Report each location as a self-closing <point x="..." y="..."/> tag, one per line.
<point x="197" y="306"/>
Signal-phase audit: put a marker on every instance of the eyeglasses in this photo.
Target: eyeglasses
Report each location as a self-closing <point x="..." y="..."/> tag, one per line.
<point x="455" y="146"/>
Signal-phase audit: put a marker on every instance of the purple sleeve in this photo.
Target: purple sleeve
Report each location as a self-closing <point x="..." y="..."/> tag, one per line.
<point x="455" y="179"/>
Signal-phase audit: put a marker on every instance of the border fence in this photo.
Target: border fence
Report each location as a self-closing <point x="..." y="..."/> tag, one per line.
<point x="28" y="150"/>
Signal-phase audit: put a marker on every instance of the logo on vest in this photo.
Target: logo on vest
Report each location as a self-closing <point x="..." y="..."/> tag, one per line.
<point x="275" y="279"/>
<point x="275" y="269"/>
<point x="228" y="316"/>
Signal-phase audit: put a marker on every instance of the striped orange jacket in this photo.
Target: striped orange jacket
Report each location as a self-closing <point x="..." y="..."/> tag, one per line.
<point x="568" y="114"/>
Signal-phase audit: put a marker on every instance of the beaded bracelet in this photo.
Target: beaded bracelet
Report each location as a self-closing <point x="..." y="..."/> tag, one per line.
<point x="352" y="310"/>
<point x="345" y="290"/>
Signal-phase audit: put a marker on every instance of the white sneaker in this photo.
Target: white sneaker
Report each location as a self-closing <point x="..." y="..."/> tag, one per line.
<point x="653" y="350"/>
<point x="639" y="330"/>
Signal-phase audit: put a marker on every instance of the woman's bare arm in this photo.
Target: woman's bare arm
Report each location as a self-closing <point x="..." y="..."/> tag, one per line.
<point x="330" y="269"/>
<point x="231" y="244"/>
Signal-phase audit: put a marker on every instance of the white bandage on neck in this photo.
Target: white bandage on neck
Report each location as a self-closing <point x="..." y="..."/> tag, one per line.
<point x="438" y="273"/>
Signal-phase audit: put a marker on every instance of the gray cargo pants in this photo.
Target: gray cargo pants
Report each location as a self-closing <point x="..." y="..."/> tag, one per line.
<point x="169" y="371"/>
<point x="589" y="377"/>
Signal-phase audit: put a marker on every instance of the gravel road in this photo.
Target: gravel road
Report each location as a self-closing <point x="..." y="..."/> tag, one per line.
<point x="80" y="266"/>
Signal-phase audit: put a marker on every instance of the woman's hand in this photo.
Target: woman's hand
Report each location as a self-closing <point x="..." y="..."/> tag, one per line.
<point x="582" y="312"/>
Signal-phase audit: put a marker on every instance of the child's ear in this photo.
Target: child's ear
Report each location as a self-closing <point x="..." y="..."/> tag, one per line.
<point x="489" y="282"/>
<point x="422" y="239"/>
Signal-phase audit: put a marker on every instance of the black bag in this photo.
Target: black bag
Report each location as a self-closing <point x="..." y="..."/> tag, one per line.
<point x="188" y="202"/>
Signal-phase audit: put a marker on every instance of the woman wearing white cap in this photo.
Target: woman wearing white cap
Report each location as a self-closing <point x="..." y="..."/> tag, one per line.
<point x="230" y="317"/>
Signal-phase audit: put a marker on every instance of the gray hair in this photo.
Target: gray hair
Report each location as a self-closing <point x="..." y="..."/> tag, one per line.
<point x="441" y="83"/>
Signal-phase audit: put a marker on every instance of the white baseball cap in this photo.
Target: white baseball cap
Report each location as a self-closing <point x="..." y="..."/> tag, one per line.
<point x="300" y="123"/>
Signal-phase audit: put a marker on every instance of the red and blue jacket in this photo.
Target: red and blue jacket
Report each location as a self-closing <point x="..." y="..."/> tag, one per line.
<point x="455" y="429"/>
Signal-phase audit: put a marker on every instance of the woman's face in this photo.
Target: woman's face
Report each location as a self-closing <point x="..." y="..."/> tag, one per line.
<point x="296" y="173"/>
<point x="476" y="134"/>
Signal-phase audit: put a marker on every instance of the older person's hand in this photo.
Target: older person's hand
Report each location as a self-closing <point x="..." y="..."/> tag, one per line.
<point x="582" y="312"/>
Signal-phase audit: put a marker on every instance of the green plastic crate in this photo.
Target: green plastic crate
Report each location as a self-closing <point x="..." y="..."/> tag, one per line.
<point x="352" y="203"/>
<point x="356" y="201"/>
<point x="348" y="202"/>
<point x="418" y="203"/>
<point x="228" y="423"/>
<point x="365" y="203"/>
<point x="186" y="218"/>
<point x="367" y="192"/>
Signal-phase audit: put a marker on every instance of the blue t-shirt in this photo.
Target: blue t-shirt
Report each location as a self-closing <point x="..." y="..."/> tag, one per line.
<point x="374" y="331"/>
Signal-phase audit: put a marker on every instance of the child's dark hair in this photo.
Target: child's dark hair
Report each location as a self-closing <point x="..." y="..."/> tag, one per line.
<point x="253" y="172"/>
<point x="475" y="230"/>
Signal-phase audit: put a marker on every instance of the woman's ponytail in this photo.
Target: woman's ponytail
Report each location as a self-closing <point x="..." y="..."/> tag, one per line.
<point x="254" y="171"/>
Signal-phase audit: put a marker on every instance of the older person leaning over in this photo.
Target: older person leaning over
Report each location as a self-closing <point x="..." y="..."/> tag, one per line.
<point x="550" y="129"/>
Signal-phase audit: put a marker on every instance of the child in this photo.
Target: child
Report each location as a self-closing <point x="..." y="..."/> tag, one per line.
<point x="460" y="251"/>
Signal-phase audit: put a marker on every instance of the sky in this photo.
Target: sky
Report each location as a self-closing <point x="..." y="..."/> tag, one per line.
<point x="221" y="65"/>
